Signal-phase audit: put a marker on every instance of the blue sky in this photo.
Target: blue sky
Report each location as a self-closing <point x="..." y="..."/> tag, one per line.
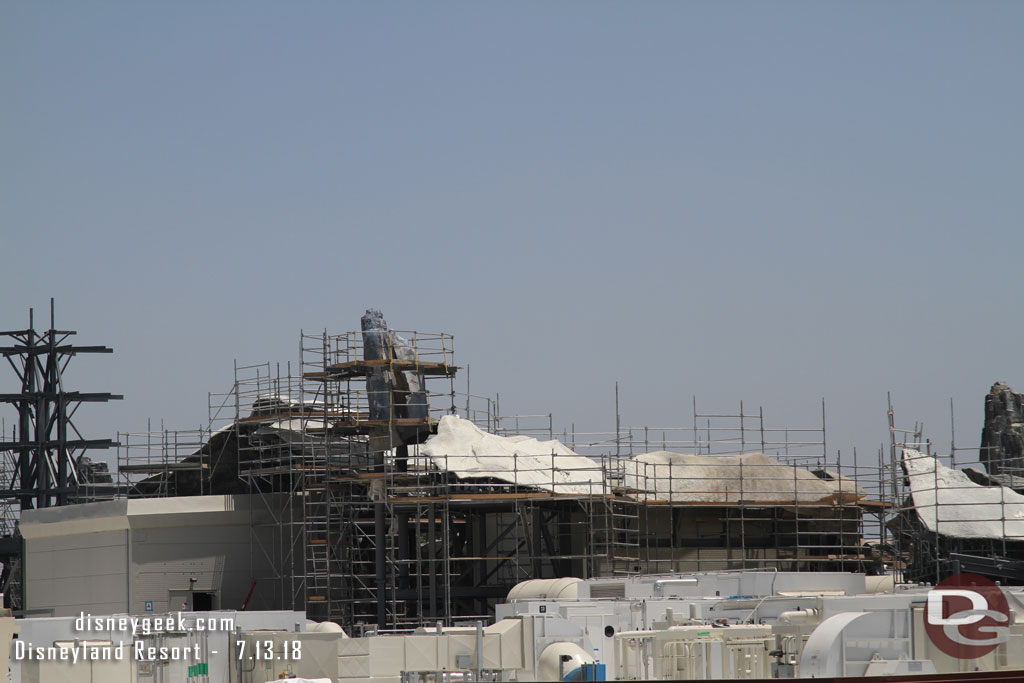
<point x="777" y="202"/>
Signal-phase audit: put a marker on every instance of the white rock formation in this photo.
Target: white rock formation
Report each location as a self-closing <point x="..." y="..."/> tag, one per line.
<point x="752" y="477"/>
<point x="465" y="450"/>
<point x="948" y="502"/>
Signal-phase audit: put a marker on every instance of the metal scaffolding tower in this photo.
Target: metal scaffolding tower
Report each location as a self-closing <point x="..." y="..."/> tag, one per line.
<point x="368" y="527"/>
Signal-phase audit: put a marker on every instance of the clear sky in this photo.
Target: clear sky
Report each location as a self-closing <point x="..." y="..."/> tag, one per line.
<point x="777" y="202"/>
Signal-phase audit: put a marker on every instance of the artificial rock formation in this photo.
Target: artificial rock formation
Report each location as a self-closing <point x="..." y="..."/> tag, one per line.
<point x="1002" y="438"/>
<point x="391" y="394"/>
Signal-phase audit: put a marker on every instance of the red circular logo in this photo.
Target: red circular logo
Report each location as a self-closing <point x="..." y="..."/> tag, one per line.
<point x="967" y="616"/>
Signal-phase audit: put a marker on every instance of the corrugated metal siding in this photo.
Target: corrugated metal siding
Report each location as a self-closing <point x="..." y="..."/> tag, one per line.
<point x="86" y="572"/>
<point x="608" y="590"/>
<point x="165" y="559"/>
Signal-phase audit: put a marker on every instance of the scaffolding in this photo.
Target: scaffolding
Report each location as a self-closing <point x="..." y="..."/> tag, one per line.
<point x="368" y="528"/>
<point x="947" y="514"/>
<point x="374" y="534"/>
<point x="699" y="527"/>
<point x="162" y="463"/>
<point x="8" y="510"/>
<point x="311" y="448"/>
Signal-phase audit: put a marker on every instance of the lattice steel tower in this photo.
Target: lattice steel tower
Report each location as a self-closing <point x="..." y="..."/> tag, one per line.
<point x="40" y="459"/>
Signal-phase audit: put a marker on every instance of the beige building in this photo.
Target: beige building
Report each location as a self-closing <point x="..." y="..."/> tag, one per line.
<point x="144" y="555"/>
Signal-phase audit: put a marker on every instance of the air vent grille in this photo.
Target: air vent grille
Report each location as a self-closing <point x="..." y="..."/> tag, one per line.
<point x="607" y="590"/>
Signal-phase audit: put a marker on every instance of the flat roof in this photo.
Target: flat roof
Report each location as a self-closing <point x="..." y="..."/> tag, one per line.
<point x="139" y="513"/>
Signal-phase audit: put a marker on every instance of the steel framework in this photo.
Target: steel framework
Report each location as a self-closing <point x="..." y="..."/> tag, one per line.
<point x="365" y="529"/>
<point x="41" y="461"/>
<point x="46" y="442"/>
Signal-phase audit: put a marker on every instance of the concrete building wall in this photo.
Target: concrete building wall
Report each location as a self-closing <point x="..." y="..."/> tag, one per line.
<point x="210" y="559"/>
<point x="80" y="572"/>
<point x="143" y="555"/>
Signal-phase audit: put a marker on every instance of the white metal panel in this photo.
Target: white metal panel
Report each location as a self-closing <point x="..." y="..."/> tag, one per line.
<point x="354" y="647"/>
<point x="354" y="666"/>
<point x="508" y="634"/>
<point x="387" y="656"/>
<point x="460" y="644"/>
<point x="421" y="653"/>
<point x="47" y="671"/>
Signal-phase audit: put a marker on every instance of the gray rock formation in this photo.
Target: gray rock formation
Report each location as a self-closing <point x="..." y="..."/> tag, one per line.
<point x="1002" y="438"/>
<point x="400" y="394"/>
<point x="1010" y="481"/>
<point x="377" y="346"/>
